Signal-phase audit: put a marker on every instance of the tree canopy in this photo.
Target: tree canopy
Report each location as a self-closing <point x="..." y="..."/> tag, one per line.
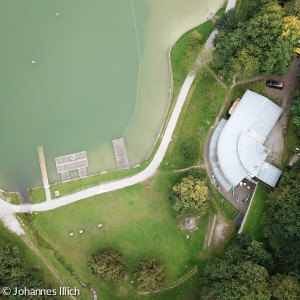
<point x="14" y="272"/>
<point x="263" y="44"/>
<point x="189" y="196"/>
<point x="281" y="222"/>
<point x="149" y="275"/>
<point x="243" y="273"/>
<point x="107" y="265"/>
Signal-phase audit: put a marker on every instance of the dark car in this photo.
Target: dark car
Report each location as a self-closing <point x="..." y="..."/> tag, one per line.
<point x="274" y="84"/>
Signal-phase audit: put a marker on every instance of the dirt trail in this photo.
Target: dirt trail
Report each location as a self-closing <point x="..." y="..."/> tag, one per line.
<point x="50" y="267"/>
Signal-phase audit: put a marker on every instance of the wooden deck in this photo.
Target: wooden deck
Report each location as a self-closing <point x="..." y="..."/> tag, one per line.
<point x="77" y="161"/>
<point x="43" y="165"/>
<point x="121" y="154"/>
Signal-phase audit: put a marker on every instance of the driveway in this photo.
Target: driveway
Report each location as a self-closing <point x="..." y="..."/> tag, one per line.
<point x="275" y="140"/>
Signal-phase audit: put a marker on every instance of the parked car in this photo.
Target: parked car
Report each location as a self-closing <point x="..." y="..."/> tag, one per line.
<point x="274" y="84"/>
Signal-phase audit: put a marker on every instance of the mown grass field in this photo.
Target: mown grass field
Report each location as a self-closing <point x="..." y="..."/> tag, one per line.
<point x="37" y="195"/>
<point x="252" y="225"/>
<point x="137" y="220"/>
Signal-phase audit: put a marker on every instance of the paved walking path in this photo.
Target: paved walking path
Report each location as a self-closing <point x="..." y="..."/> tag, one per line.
<point x="7" y="210"/>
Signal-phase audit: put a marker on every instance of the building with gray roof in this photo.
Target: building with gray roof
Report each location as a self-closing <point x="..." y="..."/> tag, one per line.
<point x="236" y="147"/>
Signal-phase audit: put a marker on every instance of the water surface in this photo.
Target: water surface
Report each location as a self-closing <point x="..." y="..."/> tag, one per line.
<point x="83" y="89"/>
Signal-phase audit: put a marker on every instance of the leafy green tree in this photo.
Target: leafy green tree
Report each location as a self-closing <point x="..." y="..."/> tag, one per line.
<point x="189" y="197"/>
<point x="263" y="44"/>
<point x="228" y="21"/>
<point x="292" y="8"/>
<point x="246" y="63"/>
<point x="238" y="274"/>
<point x="14" y="272"/>
<point x="285" y="287"/>
<point x="280" y="222"/>
<point x="107" y="265"/>
<point x="291" y="29"/>
<point x="149" y="275"/>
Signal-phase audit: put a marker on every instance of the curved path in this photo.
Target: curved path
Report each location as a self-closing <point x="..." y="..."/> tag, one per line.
<point x="7" y="210"/>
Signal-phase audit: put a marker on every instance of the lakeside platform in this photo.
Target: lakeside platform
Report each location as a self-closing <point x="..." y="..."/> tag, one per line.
<point x="121" y="154"/>
<point x="71" y="162"/>
<point x="42" y="161"/>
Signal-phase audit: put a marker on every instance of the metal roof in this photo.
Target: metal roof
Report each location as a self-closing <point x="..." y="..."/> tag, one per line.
<point x="213" y="156"/>
<point x="269" y="174"/>
<point x="255" y="116"/>
<point x="252" y="154"/>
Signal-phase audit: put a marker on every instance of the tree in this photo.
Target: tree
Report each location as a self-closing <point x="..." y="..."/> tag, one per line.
<point x="238" y="274"/>
<point x="228" y="22"/>
<point x="189" y="197"/>
<point x="292" y="8"/>
<point x="263" y="44"/>
<point x="149" y="275"/>
<point x="291" y="29"/>
<point x="280" y="222"/>
<point x="107" y="265"/>
<point x="285" y="287"/>
<point x="14" y="272"/>
<point x="246" y="63"/>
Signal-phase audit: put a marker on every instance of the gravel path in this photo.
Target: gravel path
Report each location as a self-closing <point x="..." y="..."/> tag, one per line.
<point x="7" y="210"/>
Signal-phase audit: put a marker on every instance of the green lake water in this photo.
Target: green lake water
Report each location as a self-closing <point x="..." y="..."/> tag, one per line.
<point x="91" y="83"/>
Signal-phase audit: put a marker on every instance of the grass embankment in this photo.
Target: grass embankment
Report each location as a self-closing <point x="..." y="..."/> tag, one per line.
<point x="37" y="195"/>
<point x="222" y="9"/>
<point x="258" y="206"/>
<point x="290" y="144"/>
<point x="205" y="99"/>
<point x="12" y="197"/>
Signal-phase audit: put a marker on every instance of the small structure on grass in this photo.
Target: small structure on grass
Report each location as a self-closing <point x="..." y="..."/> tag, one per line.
<point x="189" y="224"/>
<point x="100" y="225"/>
<point x="71" y="233"/>
<point x="56" y="193"/>
<point x="80" y="231"/>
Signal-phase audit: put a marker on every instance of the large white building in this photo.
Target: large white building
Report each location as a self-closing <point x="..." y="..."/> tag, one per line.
<point x="236" y="147"/>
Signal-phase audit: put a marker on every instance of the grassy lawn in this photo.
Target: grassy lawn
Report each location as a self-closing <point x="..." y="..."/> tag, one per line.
<point x="252" y="225"/>
<point x="137" y="220"/>
<point x="291" y="142"/>
<point x="202" y="106"/>
<point x="37" y="195"/>
<point x="12" y="198"/>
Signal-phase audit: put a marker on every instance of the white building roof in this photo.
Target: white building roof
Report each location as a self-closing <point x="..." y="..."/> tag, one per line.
<point x="240" y="151"/>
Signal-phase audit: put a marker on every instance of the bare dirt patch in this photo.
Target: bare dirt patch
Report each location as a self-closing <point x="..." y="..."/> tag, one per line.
<point x="219" y="231"/>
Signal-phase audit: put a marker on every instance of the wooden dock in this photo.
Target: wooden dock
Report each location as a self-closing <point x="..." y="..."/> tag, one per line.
<point x="121" y="154"/>
<point x="77" y="161"/>
<point x="43" y="165"/>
